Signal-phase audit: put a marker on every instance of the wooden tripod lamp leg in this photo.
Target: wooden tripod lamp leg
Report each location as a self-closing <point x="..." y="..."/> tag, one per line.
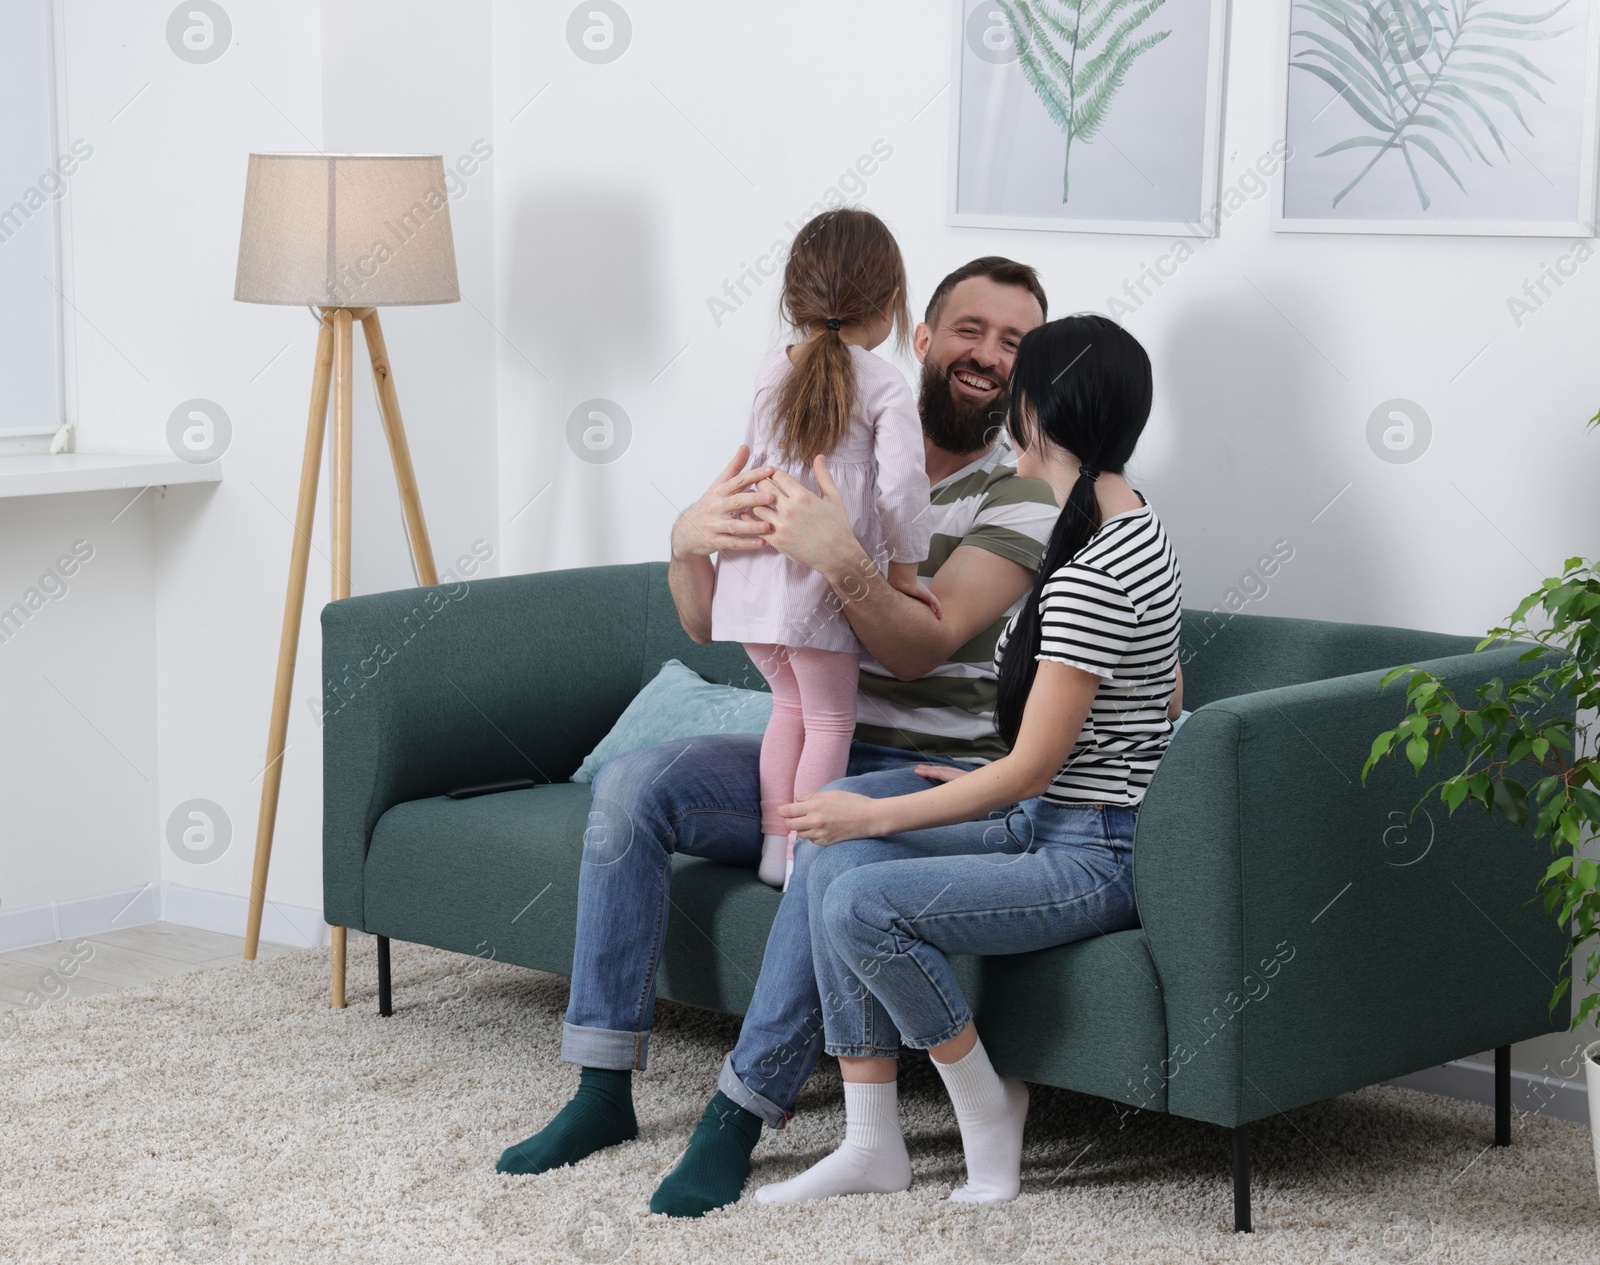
<point x="399" y="449"/>
<point x="289" y="639"/>
<point x="342" y="402"/>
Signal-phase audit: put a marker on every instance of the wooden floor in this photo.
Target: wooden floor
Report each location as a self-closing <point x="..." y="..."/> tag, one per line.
<point x="126" y="958"/>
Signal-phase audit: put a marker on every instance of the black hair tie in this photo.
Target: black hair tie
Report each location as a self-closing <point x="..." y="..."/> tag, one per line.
<point x="1088" y="472"/>
<point x="835" y="323"/>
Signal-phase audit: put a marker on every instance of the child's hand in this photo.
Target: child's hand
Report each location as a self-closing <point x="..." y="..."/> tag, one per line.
<point x="940" y="772"/>
<point x="903" y="577"/>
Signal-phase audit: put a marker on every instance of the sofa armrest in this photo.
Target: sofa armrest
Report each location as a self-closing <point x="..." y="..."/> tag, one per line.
<point x="427" y="690"/>
<point x="1310" y="936"/>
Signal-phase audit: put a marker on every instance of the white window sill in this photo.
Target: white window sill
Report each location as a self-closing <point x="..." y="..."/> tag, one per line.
<point x="45" y="475"/>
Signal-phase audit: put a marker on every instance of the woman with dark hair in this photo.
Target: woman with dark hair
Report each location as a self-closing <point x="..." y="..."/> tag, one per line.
<point x="1089" y="686"/>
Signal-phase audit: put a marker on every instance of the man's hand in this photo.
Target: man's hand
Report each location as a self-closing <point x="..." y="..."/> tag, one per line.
<point x="717" y="521"/>
<point x="830" y="816"/>
<point x="806" y="528"/>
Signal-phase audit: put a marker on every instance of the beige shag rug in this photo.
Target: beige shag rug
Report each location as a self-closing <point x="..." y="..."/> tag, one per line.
<point x="232" y="1116"/>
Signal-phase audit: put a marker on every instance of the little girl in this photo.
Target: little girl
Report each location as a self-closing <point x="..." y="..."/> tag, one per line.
<point x="827" y="397"/>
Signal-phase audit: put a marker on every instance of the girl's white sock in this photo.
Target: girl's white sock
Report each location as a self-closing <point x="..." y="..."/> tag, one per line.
<point x="774" y="860"/>
<point x="990" y="1110"/>
<point x="871" y="1160"/>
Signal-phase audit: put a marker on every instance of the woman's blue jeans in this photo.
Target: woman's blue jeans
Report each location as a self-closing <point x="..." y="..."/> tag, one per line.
<point x="885" y="912"/>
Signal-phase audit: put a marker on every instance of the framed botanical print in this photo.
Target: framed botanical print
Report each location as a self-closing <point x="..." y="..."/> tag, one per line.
<point x="1439" y="116"/>
<point x="1100" y="116"/>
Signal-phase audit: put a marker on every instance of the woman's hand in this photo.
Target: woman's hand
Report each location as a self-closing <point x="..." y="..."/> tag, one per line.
<point x="830" y="816"/>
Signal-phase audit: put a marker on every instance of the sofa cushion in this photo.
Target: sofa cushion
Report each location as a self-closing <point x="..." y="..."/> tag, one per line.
<point x="678" y="703"/>
<point x="498" y="875"/>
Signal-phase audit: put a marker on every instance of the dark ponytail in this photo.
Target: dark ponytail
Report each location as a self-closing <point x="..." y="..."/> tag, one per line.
<point x="1082" y="383"/>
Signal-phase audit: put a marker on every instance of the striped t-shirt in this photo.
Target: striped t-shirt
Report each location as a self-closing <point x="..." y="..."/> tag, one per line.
<point x="950" y="711"/>
<point x="1115" y="611"/>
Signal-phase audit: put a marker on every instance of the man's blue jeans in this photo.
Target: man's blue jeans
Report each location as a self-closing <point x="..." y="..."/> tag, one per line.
<point x="701" y="797"/>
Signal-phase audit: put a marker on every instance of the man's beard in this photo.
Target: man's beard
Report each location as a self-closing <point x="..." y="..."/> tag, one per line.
<point x="956" y="425"/>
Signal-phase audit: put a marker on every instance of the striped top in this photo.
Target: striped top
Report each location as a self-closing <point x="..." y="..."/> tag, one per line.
<point x="1115" y="611"/>
<point x="951" y="710"/>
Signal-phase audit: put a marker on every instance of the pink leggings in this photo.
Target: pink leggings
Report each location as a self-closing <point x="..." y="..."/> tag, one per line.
<point x="807" y="743"/>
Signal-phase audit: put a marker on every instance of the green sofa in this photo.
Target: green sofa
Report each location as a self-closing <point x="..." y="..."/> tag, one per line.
<point x="1300" y="939"/>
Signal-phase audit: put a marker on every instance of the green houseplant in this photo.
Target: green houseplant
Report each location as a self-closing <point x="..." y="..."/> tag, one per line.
<point x="1524" y="756"/>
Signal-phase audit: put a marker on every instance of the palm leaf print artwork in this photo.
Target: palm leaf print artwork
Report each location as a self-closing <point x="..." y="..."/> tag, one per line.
<point x="1076" y="54"/>
<point x="1419" y="73"/>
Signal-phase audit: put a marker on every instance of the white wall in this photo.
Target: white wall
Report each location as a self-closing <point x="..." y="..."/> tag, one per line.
<point x="154" y="235"/>
<point x="413" y="76"/>
<point x="79" y="764"/>
<point x="153" y="226"/>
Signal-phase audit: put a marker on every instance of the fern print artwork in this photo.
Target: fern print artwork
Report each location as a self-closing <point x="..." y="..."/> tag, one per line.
<point x="1076" y="54"/>
<point x="1437" y="85"/>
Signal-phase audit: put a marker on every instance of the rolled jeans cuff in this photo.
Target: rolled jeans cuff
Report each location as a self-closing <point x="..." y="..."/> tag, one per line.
<point x="860" y="1051"/>
<point x="603" y="1048"/>
<point x="772" y="1115"/>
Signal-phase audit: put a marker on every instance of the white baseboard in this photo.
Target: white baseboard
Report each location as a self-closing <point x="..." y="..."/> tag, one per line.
<point x="1531" y="1093"/>
<point x="185" y="906"/>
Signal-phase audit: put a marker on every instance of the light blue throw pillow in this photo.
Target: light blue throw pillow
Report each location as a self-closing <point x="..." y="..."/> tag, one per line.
<point x="679" y="703"/>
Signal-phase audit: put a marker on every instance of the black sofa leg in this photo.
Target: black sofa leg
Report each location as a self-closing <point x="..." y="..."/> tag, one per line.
<point x="1241" y="1179"/>
<point x="1502" y="1095"/>
<point x="385" y="1000"/>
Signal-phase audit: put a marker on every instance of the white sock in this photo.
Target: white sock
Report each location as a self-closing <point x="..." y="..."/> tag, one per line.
<point x="788" y="863"/>
<point x="990" y="1110"/>
<point x="871" y="1160"/>
<point x="774" y="860"/>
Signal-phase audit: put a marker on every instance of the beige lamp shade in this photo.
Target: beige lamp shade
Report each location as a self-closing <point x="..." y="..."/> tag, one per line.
<point x="346" y="230"/>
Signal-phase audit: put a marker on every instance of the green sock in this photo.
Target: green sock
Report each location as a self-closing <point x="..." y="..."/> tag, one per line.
<point x="599" y="1115"/>
<point x="712" y="1171"/>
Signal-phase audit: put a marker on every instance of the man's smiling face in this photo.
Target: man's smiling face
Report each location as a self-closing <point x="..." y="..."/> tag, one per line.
<point x="967" y="356"/>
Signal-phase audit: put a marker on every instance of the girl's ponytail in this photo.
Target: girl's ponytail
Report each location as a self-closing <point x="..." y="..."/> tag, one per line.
<point x="815" y="398"/>
<point x="843" y="269"/>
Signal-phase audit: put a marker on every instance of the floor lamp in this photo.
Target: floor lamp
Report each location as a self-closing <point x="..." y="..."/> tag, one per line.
<point x="342" y="234"/>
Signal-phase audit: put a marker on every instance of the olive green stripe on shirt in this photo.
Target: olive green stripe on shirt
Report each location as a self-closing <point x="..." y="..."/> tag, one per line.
<point x="1001" y="485"/>
<point x="1013" y="489"/>
<point x="968" y="485"/>
<point x="1007" y="542"/>
<point x="974" y="694"/>
<point x="977" y="750"/>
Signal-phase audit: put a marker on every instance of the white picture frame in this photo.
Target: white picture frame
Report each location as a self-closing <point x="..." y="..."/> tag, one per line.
<point x="1407" y="216"/>
<point x="1201" y="155"/>
<point x="34" y="234"/>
